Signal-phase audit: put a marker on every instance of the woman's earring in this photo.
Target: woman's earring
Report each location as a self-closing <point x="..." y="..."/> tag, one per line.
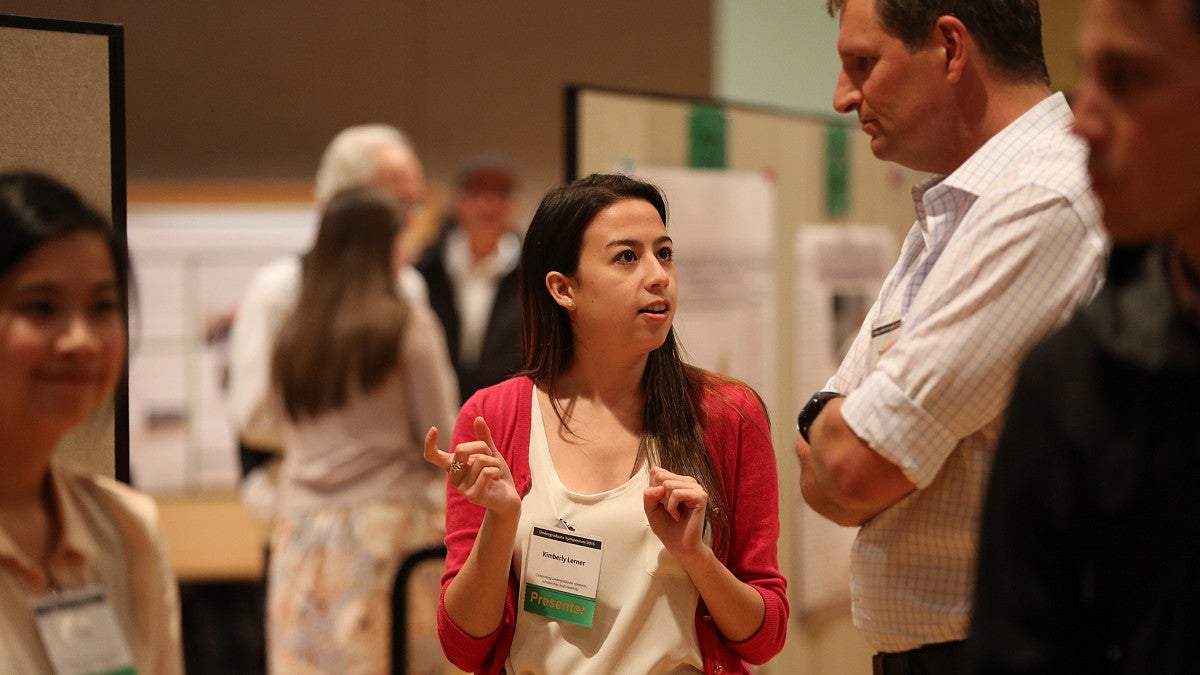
<point x="570" y="303"/>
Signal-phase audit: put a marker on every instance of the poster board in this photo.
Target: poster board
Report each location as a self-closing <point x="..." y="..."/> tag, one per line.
<point x="63" y="113"/>
<point x="722" y="225"/>
<point x="195" y="262"/>
<point x="839" y="269"/>
<point x="820" y="170"/>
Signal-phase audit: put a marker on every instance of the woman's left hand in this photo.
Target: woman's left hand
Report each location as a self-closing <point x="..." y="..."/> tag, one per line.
<point x="676" y="506"/>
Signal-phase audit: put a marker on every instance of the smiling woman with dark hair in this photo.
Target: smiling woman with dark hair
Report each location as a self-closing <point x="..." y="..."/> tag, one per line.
<point x="75" y="549"/>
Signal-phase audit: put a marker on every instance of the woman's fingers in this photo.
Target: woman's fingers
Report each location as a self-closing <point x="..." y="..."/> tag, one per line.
<point x="454" y="462"/>
<point x="651" y="498"/>
<point x="483" y="433"/>
<point x="476" y="460"/>
<point x="432" y="454"/>
<point x="673" y="490"/>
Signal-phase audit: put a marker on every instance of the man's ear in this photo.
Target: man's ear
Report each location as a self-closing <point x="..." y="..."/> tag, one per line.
<point x="561" y="289"/>
<point x="953" y="37"/>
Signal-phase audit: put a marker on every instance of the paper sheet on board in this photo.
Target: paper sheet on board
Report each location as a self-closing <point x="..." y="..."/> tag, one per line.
<point x="193" y="265"/>
<point x="838" y="272"/>
<point x="723" y="227"/>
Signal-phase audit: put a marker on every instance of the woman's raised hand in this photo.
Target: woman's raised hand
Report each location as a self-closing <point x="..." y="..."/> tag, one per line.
<point x="676" y="507"/>
<point x="477" y="470"/>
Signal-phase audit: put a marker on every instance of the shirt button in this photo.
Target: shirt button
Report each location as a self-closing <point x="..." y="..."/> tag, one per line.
<point x="707" y="617"/>
<point x="718" y="669"/>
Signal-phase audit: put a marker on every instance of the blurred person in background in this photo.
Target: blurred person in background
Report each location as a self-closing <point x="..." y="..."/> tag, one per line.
<point x="471" y="272"/>
<point x="360" y="372"/>
<point x="368" y="154"/>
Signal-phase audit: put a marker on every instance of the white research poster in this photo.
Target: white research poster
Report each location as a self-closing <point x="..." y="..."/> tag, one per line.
<point x="723" y="227"/>
<point x="838" y="272"/>
<point x="193" y="263"/>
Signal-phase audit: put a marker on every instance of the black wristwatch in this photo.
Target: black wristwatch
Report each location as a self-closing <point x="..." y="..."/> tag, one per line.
<point x="808" y="414"/>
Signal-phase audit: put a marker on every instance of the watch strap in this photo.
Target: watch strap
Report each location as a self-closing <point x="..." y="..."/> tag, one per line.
<point x="808" y="414"/>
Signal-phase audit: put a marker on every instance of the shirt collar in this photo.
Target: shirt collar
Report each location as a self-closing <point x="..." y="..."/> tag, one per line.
<point x="980" y="171"/>
<point x="502" y="261"/>
<point x="76" y="537"/>
<point x="75" y="541"/>
<point x="939" y="199"/>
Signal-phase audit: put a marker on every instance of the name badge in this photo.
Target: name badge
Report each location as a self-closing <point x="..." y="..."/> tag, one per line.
<point x="883" y="335"/>
<point x="81" y="633"/>
<point x="562" y="576"/>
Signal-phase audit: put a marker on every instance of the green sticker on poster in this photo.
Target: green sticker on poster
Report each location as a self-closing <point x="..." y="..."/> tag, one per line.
<point x="706" y="147"/>
<point x="837" y="171"/>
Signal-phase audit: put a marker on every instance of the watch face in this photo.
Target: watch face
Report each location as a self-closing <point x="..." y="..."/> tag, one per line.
<point x="809" y="413"/>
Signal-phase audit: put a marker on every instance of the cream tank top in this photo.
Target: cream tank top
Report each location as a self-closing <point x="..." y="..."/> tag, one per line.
<point x="645" y="614"/>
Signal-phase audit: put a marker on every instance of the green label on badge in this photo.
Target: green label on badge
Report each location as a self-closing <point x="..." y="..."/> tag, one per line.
<point x="559" y="606"/>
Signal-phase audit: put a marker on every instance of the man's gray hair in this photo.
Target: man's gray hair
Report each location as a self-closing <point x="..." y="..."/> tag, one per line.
<point x="349" y="160"/>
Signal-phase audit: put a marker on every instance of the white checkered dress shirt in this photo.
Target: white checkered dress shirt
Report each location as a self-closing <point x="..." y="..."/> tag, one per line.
<point x="1002" y="252"/>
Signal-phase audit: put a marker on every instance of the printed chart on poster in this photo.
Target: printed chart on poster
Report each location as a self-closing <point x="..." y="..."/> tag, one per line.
<point x="838" y="272"/>
<point x="193" y="264"/>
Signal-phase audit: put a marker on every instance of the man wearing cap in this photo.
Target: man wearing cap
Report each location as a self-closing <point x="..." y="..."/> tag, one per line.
<point x="471" y="271"/>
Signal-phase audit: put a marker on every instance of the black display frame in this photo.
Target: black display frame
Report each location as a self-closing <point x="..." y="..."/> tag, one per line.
<point x="118" y="204"/>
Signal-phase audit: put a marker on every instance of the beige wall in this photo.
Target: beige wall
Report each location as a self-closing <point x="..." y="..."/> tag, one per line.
<point x="228" y="89"/>
<point x="783" y="52"/>
<point x="55" y="112"/>
<point x="1060" y="21"/>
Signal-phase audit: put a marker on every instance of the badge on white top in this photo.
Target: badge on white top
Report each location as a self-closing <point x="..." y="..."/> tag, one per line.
<point x="81" y="633"/>
<point x="562" y="575"/>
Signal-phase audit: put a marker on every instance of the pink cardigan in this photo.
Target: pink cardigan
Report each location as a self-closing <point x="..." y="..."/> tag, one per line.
<point x="737" y="435"/>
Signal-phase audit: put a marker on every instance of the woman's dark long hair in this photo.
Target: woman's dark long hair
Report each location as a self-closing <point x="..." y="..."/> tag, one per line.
<point x="36" y="208"/>
<point x="672" y="418"/>
<point x="344" y="334"/>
